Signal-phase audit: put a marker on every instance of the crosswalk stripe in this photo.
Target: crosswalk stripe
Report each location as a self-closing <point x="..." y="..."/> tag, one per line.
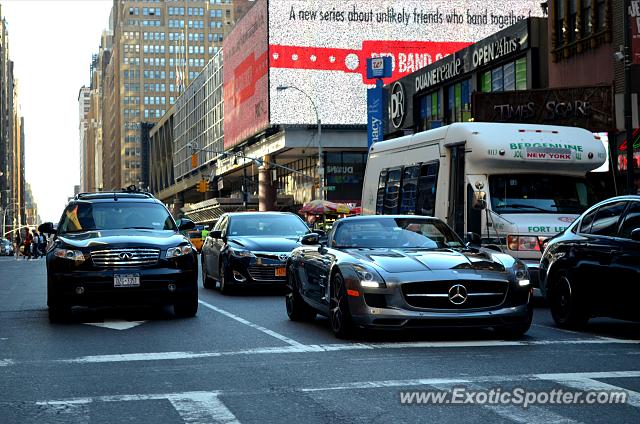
<point x="589" y="384"/>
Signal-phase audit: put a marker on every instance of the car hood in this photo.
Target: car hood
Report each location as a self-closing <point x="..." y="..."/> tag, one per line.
<point x="119" y="238"/>
<point x="412" y="260"/>
<point x="265" y="244"/>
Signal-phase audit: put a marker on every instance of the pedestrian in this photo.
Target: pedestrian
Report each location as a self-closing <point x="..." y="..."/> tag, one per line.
<point x="18" y="242"/>
<point x="35" y="245"/>
<point x="205" y="232"/>
<point x="43" y="244"/>
<point x="28" y="238"/>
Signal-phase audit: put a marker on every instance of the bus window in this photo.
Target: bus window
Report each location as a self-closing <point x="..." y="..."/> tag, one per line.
<point x="409" y="189"/>
<point x="392" y="191"/>
<point x="427" y="189"/>
<point x="382" y="182"/>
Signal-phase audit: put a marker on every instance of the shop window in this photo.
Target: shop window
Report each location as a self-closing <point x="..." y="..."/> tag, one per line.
<point x="459" y="102"/>
<point x="521" y="74"/>
<point x="485" y="82"/>
<point x="511" y="76"/>
<point x="497" y="83"/>
<point x="429" y="107"/>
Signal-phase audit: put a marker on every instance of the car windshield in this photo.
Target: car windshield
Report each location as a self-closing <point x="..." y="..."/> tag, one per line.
<point x="407" y="233"/>
<point x="533" y="193"/>
<point x="267" y="225"/>
<point x="115" y="216"/>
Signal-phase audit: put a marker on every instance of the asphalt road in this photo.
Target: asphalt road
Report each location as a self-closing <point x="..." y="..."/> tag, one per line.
<point x="242" y="360"/>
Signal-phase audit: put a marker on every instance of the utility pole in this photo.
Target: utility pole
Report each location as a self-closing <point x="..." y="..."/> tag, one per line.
<point x="628" y="121"/>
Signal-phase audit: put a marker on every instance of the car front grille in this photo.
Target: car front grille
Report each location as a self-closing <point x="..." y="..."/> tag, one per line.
<point x="116" y="258"/>
<point x="436" y="294"/>
<point x="265" y="272"/>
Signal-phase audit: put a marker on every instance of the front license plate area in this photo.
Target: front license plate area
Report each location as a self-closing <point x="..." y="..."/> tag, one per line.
<point x="281" y="272"/>
<point x="126" y="280"/>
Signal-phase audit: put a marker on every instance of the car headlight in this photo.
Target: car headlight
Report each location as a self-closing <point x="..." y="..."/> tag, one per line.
<point x="72" y="255"/>
<point x="175" y="252"/>
<point x="240" y="253"/>
<point x="522" y="274"/>
<point x="369" y="277"/>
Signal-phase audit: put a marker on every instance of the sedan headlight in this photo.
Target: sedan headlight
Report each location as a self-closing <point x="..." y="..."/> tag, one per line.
<point x="522" y="274"/>
<point x="369" y="277"/>
<point x="72" y="255"/>
<point x="240" y="253"/>
<point x="175" y="252"/>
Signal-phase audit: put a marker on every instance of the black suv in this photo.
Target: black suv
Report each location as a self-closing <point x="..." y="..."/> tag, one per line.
<point x="120" y="248"/>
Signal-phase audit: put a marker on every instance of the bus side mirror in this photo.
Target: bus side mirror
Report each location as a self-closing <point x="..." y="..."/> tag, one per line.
<point x="479" y="201"/>
<point x="473" y="239"/>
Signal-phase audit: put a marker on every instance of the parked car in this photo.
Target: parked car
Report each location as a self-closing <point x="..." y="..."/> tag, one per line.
<point x="395" y="272"/>
<point x="250" y="248"/>
<point x="593" y="267"/>
<point x="6" y="247"/>
<point x="118" y="248"/>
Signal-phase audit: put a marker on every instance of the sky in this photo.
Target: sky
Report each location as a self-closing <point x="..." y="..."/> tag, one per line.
<point x="51" y="43"/>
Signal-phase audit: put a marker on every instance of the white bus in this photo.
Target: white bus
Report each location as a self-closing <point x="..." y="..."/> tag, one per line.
<point x="514" y="185"/>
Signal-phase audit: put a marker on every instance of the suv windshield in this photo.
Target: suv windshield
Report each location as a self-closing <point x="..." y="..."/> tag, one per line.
<point x="395" y="233"/>
<point x="534" y="193"/>
<point x="115" y="216"/>
<point x="267" y="225"/>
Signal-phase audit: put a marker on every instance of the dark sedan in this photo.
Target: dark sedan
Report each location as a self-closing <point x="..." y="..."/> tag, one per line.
<point x="250" y="248"/>
<point x="397" y="272"/>
<point x="593" y="267"/>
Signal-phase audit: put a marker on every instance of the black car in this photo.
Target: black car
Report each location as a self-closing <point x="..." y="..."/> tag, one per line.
<point x="593" y="267"/>
<point x="250" y="248"/>
<point x="119" y="248"/>
<point x="395" y="272"/>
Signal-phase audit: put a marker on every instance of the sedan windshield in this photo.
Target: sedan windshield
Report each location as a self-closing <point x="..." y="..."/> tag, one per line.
<point x="267" y="225"/>
<point x="115" y="216"/>
<point x="407" y="233"/>
<point x="533" y="193"/>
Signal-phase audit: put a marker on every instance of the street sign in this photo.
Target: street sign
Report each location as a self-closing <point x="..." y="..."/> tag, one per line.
<point x="379" y="67"/>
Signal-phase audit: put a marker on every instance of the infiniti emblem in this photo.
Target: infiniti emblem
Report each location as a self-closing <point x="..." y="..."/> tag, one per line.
<point x="126" y="256"/>
<point x="283" y="256"/>
<point x="458" y="294"/>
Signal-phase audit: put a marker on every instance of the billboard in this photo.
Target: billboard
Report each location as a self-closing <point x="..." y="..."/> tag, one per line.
<point x="321" y="47"/>
<point x="245" y="91"/>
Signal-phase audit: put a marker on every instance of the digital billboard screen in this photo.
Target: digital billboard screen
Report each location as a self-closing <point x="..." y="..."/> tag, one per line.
<point x="321" y="47"/>
<point x="245" y="74"/>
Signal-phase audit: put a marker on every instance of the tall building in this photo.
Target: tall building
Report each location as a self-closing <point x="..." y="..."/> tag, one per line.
<point x="158" y="47"/>
<point x="12" y="178"/>
<point x="86" y="149"/>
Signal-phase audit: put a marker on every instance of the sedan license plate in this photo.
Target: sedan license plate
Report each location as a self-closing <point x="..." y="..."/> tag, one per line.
<point x="126" y="280"/>
<point x="281" y="272"/>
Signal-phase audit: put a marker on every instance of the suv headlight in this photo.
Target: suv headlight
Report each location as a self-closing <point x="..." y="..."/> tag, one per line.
<point x="174" y="252"/>
<point x="522" y="274"/>
<point x="240" y="253"/>
<point x="369" y="277"/>
<point x="73" y="255"/>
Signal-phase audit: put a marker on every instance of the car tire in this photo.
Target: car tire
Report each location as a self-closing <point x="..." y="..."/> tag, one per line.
<point x="59" y="313"/>
<point x="187" y="306"/>
<point x="567" y="308"/>
<point x="516" y="331"/>
<point x="297" y="308"/>
<point x="339" y="314"/>
<point x="207" y="282"/>
<point x="225" y="286"/>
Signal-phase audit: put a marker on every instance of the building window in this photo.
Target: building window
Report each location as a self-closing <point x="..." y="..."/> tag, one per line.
<point x="585" y="18"/>
<point x="459" y="102"/>
<point x="601" y="12"/>
<point x="429" y="109"/>
<point x="508" y="77"/>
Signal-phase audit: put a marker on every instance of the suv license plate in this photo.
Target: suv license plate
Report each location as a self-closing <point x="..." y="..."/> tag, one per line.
<point x="126" y="280"/>
<point x="281" y="272"/>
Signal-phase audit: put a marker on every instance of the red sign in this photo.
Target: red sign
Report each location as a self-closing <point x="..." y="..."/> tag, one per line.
<point x="246" y="64"/>
<point x="622" y="152"/>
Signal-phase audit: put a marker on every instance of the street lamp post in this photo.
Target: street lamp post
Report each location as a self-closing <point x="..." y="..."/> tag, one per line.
<point x="320" y="164"/>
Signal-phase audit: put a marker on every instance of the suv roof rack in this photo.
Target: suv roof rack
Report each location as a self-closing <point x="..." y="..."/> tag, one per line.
<point x="128" y="192"/>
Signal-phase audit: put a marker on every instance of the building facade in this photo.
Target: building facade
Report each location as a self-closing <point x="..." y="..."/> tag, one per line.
<point x="87" y="161"/>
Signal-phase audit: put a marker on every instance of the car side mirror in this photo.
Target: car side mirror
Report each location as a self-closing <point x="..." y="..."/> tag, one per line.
<point x="185" y="224"/>
<point x="310" y="239"/>
<point x="473" y="239"/>
<point x="479" y="201"/>
<point x="216" y="234"/>
<point x="321" y="233"/>
<point x="635" y="234"/>
<point x="46" y="228"/>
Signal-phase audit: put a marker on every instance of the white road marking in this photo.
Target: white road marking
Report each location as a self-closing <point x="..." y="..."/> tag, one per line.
<point x="116" y="324"/>
<point x="577" y="333"/>
<point x="300" y="348"/>
<point x="278" y="336"/>
<point x="74" y="411"/>
<point x="6" y="362"/>
<point x="193" y="407"/>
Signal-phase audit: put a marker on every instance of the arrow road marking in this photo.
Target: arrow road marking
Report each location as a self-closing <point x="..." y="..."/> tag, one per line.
<point x="116" y="324"/>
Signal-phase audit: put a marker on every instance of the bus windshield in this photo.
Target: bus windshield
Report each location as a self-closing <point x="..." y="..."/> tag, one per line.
<point x="535" y="193"/>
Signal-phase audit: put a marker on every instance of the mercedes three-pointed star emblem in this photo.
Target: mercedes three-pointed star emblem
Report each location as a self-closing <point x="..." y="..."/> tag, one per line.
<point x="458" y="294"/>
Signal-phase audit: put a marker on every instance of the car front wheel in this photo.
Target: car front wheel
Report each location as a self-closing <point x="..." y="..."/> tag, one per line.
<point x="567" y="309"/>
<point x="341" y="322"/>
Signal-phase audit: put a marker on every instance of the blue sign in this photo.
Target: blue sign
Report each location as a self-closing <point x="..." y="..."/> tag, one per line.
<point x="375" y="113"/>
<point x="379" y="67"/>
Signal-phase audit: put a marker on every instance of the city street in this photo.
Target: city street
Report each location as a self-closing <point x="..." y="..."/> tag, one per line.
<point x="241" y="360"/>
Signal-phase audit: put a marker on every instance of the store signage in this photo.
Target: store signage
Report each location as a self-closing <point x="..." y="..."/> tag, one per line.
<point x="439" y="74"/>
<point x="484" y="55"/>
<point x="586" y="107"/>
<point x="397" y="104"/>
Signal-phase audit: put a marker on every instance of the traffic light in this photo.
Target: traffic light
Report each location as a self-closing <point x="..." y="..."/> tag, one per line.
<point x="203" y="186"/>
<point x="194" y="161"/>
